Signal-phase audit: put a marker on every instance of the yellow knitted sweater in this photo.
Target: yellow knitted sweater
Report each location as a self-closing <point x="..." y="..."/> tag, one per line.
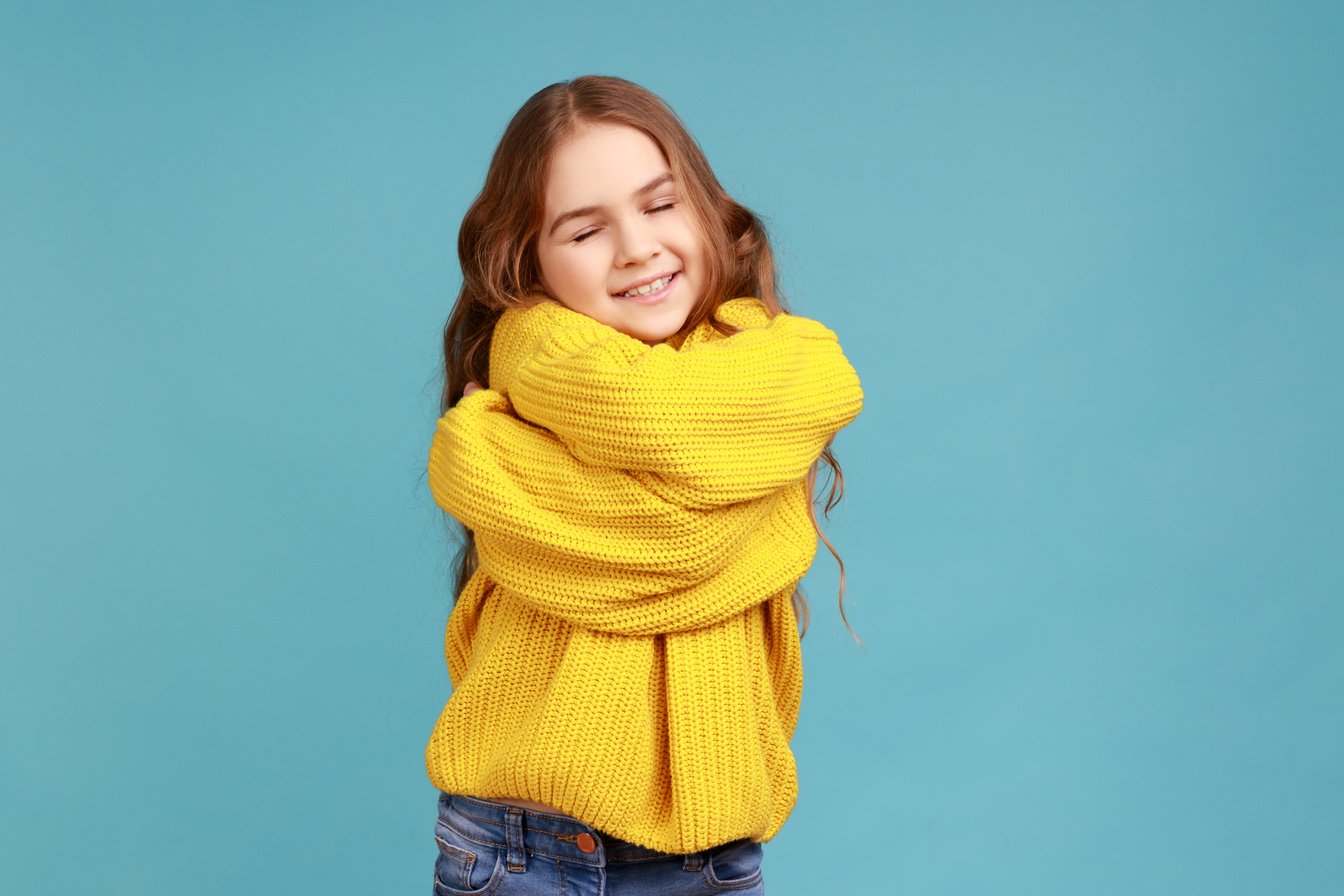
<point x="627" y="649"/>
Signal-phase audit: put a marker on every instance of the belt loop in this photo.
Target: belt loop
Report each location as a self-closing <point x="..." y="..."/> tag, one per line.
<point x="693" y="861"/>
<point x="513" y="829"/>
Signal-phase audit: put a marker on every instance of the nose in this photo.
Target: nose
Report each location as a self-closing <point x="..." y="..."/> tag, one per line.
<point x="635" y="244"/>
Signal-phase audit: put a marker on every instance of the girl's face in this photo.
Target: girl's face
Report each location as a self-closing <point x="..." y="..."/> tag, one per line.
<point x="614" y="222"/>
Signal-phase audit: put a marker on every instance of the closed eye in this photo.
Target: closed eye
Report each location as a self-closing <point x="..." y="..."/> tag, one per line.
<point x="657" y="208"/>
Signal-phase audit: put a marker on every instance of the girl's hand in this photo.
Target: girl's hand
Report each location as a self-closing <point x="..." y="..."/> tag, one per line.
<point x="471" y="387"/>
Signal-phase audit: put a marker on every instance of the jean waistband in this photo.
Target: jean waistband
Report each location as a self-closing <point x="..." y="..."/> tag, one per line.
<point x="516" y="829"/>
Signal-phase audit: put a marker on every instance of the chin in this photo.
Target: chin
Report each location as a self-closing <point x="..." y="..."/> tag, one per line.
<point x="652" y="338"/>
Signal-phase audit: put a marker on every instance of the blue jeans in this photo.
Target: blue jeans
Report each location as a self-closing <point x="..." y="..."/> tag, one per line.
<point x="492" y="848"/>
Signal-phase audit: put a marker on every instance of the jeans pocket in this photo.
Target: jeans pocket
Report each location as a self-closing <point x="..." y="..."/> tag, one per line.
<point x="734" y="866"/>
<point x="465" y="867"/>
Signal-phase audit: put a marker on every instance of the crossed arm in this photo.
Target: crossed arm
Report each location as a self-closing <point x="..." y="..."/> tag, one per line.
<point x="604" y="548"/>
<point x="719" y="421"/>
<point x="644" y="490"/>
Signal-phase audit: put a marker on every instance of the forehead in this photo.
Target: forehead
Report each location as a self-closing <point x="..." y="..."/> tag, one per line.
<point x="601" y="164"/>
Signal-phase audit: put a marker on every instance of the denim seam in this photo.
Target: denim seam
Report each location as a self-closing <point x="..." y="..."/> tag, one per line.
<point x="490" y="843"/>
<point x="636" y="861"/>
<point x="498" y="876"/>
<point x="742" y="884"/>
<point x="517" y="841"/>
<point x="468" y="857"/>
<point x="569" y="818"/>
<point x="496" y="844"/>
<point x="707" y="872"/>
<point x="562" y="818"/>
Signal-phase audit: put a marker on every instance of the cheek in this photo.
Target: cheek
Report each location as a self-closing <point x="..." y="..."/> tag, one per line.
<point x="693" y="244"/>
<point x="695" y="251"/>
<point x="572" y="272"/>
<point x="554" y="269"/>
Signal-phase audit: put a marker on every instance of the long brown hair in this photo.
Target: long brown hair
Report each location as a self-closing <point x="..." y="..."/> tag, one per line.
<point x="496" y="246"/>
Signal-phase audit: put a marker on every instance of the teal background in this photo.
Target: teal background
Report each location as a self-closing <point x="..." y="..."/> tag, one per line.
<point x="1087" y="259"/>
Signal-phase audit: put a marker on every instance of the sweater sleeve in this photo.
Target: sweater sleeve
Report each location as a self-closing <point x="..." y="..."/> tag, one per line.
<point x="719" y="421"/>
<point x="604" y="548"/>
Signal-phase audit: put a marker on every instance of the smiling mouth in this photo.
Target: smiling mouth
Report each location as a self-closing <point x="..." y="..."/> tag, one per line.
<point x="648" y="288"/>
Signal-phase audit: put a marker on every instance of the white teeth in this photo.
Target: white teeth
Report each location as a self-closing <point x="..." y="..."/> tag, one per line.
<point x="647" y="288"/>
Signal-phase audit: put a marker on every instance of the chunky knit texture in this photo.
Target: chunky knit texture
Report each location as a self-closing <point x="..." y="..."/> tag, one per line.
<point x="627" y="649"/>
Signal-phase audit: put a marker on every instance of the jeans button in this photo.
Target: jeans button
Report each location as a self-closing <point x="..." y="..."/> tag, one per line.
<point x="586" y="842"/>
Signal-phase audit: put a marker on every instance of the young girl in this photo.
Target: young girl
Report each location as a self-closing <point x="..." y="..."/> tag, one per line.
<point x="631" y="429"/>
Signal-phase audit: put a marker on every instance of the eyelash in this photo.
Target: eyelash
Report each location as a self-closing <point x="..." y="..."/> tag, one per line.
<point x="657" y="208"/>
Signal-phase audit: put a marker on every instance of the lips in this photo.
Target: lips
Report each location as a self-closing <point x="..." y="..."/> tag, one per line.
<point x="644" y="282"/>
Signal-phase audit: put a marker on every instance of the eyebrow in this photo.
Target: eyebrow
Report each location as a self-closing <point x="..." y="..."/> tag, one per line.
<point x="590" y="209"/>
